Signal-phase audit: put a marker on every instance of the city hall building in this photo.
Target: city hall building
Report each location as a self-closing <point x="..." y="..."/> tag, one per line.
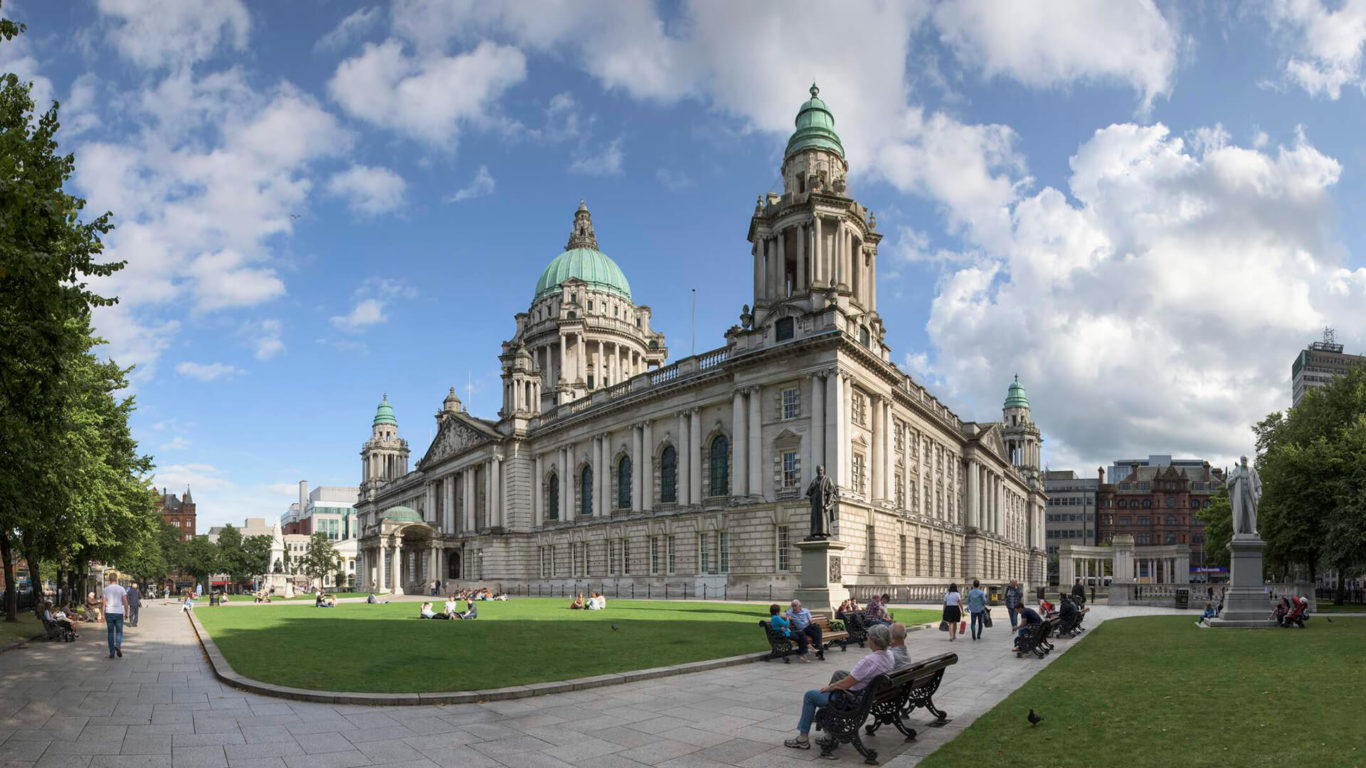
<point x="606" y="464"/>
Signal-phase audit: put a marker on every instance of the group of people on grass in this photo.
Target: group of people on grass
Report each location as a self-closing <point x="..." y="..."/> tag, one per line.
<point x="596" y="602"/>
<point x="1291" y="611"/>
<point x="451" y="610"/>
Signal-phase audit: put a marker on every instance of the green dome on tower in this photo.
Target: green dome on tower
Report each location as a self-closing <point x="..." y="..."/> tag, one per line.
<point x="1015" y="397"/>
<point x="384" y="414"/>
<point x="583" y="260"/>
<point x="815" y="128"/>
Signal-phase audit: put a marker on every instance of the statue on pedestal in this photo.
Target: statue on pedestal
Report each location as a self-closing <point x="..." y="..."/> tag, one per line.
<point x="822" y="494"/>
<point x="1244" y="492"/>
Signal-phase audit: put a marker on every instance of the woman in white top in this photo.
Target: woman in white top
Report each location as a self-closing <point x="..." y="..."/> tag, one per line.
<point x="953" y="610"/>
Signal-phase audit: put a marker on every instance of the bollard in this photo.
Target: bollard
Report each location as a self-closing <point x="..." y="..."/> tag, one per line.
<point x="746" y="593"/>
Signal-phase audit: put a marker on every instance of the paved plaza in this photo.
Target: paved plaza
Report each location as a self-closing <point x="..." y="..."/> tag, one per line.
<point x="69" y="706"/>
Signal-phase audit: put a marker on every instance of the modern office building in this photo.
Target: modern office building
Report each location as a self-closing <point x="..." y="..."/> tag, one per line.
<point x="1071" y="508"/>
<point x="1318" y="364"/>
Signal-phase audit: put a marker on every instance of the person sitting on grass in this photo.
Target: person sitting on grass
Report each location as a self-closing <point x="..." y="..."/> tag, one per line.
<point x="1029" y="618"/>
<point x="451" y="609"/>
<point x="370" y="600"/>
<point x="577" y="605"/>
<point x="426" y="612"/>
<point x="188" y="605"/>
<point x="878" y="662"/>
<point x="1282" y="609"/>
<point x="1298" y="606"/>
<point x="1208" y="614"/>
<point x="596" y="602"/>
<point x="472" y="613"/>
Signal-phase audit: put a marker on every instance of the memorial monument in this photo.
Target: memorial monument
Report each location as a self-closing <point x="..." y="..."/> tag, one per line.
<point x="822" y="585"/>
<point x="1245" y="600"/>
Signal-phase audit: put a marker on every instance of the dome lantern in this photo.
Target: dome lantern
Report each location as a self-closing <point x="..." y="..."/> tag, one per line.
<point x="385" y="413"/>
<point x="1015" y="396"/>
<point x="815" y="128"/>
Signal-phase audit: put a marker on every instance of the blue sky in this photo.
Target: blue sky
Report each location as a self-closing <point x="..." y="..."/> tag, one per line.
<point x="1144" y="210"/>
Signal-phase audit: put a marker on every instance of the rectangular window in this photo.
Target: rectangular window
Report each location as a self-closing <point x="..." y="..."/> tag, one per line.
<point x="860" y="474"/>
<point x="791" y="470"/>
<point x="792" y="403"/>
<point x="611" y="557"/>
<point x="654" y="554"/>
<point x="872" y="549"/>
<point x="703" y="556"/>
<point x="943" y="564"/>
<point x="626" y="557"/>
<point x="784" y="564"/>
<point x="903" y="555"/>
<point x="929" y="558"/>
<point x="899" y="436"/>
<point x="900" y="490"/>
<point x="859" y="406"/>
<point x="723" y="550"/>
<point x="670" y="542"/>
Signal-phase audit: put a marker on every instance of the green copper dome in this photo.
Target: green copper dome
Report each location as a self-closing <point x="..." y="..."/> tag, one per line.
<point x="815" y="128"/>
<point x="384" y="414"/>
<point x="1015" y="398"/>
<point x="582" y="259"/>
<point x="402" y="515"/>
<point x="587" y="264"/>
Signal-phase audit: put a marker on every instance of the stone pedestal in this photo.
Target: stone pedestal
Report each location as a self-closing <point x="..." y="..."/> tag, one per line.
<point x="822" y="585"/>
<point x="1245" y="602"/>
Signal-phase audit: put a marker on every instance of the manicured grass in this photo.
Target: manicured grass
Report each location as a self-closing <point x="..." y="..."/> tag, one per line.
<point x="1325" y="607"/>
<point x="1158" y="691"/>
<point x="384" y="648"/>
<point x="27" y="626"/>
<point x="306" y="596"/>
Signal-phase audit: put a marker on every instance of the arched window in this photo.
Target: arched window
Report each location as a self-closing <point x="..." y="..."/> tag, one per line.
<point x="668" y="475"/>
<point x="586" y="492"/>
<point x="720" y="466"/>
<point x="624" y="483"/>
<point x="553" y="502"/>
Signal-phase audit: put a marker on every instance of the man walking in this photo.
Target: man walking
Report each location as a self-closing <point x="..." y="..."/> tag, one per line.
<point x="134" y="604"/>
<point x="805" y="630"/>
<point x="1012" y="600"/>
<point x="115" y="605"/>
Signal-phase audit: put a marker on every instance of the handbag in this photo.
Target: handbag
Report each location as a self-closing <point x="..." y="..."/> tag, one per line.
<point x="943" y="626"/>
<point x="986" y="618"/>
<point x="962" y="627"/>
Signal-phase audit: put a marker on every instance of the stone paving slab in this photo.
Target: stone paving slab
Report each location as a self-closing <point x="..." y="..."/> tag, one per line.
<point x="66" y="705"/>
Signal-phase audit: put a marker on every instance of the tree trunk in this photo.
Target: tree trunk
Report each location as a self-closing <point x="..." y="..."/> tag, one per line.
<point x="35" y="580"/>
<point x="1341" y="588"/>
<point x="11" y="590"/>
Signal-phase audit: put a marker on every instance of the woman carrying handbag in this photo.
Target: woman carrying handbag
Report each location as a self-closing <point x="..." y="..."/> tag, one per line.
<point x="953" y="610"/>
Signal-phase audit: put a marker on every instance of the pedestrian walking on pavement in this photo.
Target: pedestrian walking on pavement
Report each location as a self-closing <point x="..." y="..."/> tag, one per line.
<point x="1012" y="598"/>
<point x="115" y="607"/>
<point x="134" y="604"/>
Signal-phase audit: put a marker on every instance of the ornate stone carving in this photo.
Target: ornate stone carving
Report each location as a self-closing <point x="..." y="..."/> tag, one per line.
<point x="835" y="576"/>
<point x="454" y="437"/>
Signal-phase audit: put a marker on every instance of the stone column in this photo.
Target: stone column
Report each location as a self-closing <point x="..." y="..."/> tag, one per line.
<point x="818" y="270"/>
<point x="782" y="264"/>
<point x="433" y="563"/>
<point x="888" y="426"/>
<point x="567" y="483"/>
<point x="876" y="491"/>
<point x="974" y="493"/>
<point x="647" y="470"/>
<point x="816" y="442"/>
<point x="637" y="467"/>
<point x="496" y="502"/>
<point x="872" y="284"/>
<point x="595" y="455"/>
<point x="754" y="433"/>
<point x="758" y="252"/>
<point x="681" y="484"/>
<point x="695" y="432"/>
<point x="537" y="493"/>
<point x="800" y="238"/>
<point x="834" y="427"/>
<point x="396" y="583"/>
<point x="605" y="488"/>
<point x="739" y="445"/>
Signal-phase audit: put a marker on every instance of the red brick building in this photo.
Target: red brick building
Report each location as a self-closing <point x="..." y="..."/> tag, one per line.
<point x="1157" y="505"/>
<point x="178" y="512"/>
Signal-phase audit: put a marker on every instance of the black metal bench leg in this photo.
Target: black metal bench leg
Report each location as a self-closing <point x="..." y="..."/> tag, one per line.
<point x="869" y="755"/>
<point x="936" y="711"/>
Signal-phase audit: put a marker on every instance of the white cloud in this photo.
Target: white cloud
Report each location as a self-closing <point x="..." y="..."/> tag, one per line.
<point x="174" y="33"/>
<point x="350" y="28"/>
<point x="365" y="312"/>
<point x="1159" y="312"/>
<point x="425" y="97"/>
<point x="16" y="57"/>
<point x="605" y="161"/>
<point x="202" y="186"/>
<point x="79" y="113"/>
<point x="1325" y="44"/>
<point x="204" y="477"/>
<point x="1059" y="42"/>
<point x="177" y="443"/>
<point x="368" y="190"/>
<point x="673" y="180"/>
<point x="207" y="371"/>
<point x="482" y="184"/>
<point x="264" y="338"/>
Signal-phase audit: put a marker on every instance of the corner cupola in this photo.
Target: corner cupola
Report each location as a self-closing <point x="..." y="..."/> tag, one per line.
<point x="815" y="128"/>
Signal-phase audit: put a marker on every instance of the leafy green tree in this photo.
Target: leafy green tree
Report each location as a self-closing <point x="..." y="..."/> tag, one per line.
<point x="319" y="558"/>
<point x="1218" y="519"/>
<point x="198" y="558"/>
<point x="47" y="254"/>
<point x="232" y="560"/>
<point x="256" y="551"/>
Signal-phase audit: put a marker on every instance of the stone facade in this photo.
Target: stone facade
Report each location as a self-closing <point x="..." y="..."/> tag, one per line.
<point x="606" y="465"/>
<point x="1157" y="506"/>
<point x="179" y="512"/>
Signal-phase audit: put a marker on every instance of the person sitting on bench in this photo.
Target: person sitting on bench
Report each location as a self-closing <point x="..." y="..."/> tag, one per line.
<point x="1029" y="618"/>
<point x="804" y="630"/>
<point x="59" y="618"/>
<point x="1067" y="610"/>
<point x="878" y="662"/>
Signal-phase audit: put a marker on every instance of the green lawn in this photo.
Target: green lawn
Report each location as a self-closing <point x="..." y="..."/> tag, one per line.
<point x="1157" y="691"/>
<point x="308" y="597"/>
<point x="27" y="626"/>
<point x="1325" y="607"/>
<point x="383" y="648"/>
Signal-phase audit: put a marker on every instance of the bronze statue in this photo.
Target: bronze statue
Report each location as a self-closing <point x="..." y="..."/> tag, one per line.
<point x="822" y="494"/>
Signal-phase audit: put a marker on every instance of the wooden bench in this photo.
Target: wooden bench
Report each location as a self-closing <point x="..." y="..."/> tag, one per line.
<point x="56" y="631"/>
<point x="889" y="699"/>
<point x="1036" y="642"/>
<point x="781" y="646"/>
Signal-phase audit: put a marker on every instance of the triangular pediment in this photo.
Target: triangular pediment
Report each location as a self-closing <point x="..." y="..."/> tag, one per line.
<point x="456" y="435"/>
<point x="992" y="438"/>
